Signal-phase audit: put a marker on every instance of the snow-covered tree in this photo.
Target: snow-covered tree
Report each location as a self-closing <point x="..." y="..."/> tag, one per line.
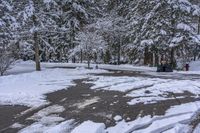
<point x="8" y="24"/>
<point x="91" y="44"/>
<point x="148" y="30"/>
<point x="164" y="25"/>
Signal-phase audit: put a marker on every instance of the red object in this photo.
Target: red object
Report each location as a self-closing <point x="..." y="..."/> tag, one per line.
<point x="187" y="67"/>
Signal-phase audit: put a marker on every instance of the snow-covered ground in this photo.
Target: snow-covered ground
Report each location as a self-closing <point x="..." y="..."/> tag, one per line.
<point x="28" y="66"/>
<point x="174" y="116"/>
<point x="23" y="86"/>
<point x="28" y="88"/>
<point x="195" y="66"/>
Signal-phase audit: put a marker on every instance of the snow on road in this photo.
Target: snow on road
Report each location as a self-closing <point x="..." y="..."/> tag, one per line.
<point x="147" y="90"/>
<point x="90" y="127"/>
<point x="47" y="121"/>
<point x="176" y="114"/>
<point x="63" y="127"/>
<point x="87" y="102"/>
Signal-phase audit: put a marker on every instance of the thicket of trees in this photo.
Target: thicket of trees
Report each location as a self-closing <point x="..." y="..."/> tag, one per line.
<point x="103" y="31"/>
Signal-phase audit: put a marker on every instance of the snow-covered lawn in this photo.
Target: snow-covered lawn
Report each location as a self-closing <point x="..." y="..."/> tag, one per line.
<point x="29" y="88"/>
<point x="28" y="66"/>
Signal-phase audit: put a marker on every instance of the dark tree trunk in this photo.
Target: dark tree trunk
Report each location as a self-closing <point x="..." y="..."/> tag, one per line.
<point x="88" y="63"/>
<point x="173" y="23"/>
<point x="146" y="55"/>
<point x="36" y="45"/>
<point x="119" y="51"/>
<point x="95" y="57"/>
<point x="196" y="50"/>
<point x="81" y="56"/>
<point x="118" y="56"/>
<point x="88" y="59"/>
<point x="37" y="55"/>
<point x="172" y="60"/>
<point x="72" y="38"/>
<point x="156" y="59"/>
<point x="199" y="26"/>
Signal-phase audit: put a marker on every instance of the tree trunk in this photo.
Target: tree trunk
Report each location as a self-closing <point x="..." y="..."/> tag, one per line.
<point x="36" y="45"/>
<point x="172" y="60"/>
<point x="199" y="26"/>
<point x="81" y="56"/>
<point x="37" y="55"/>
<point x="61" y="54"/>
<point x="72" y="38"/>
<point x="88" y="63"/>
<point x="154" y="59"/>
<point x="146" y="55"/>
<point x="173" y="23"/>
<point x="119" y="51"/>
<point x="118" y="56"/>
<point x="196" y="50"/>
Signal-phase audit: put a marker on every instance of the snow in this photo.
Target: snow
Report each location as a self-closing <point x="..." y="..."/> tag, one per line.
<point x="87" y="102"/>
<point x="89" y="127"/>
<point x="28" y="66"/>
<point x="147" y="124"/>
<point x="197" y="129"/>
<point x="193" y="69"/>
<point x="34" y="84"/>
<point x="29" y="88"/>
<point x="146" y="90"/>
<point x="63" y="127"/>
<point x="7" y="5"/>
<point x="17" y="125"/>
<point x="195" y="66"/>
<point x="179" y="128"/>
<point x="185" y="27"/>
<point x="177" y="39"/>
<point x="47" y="120"/>
<point x="117" y="118"/>
<point x="47" y="111"/>
<point x="174" y="86"/>
<point x="161" y="125"/>
<point x="123" y="83"/>
<point x="146" y="42"/>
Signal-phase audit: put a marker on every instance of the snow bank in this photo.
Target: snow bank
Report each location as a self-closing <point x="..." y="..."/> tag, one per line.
<point x="90" y="127"/>
<point x="63" y="127"/>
